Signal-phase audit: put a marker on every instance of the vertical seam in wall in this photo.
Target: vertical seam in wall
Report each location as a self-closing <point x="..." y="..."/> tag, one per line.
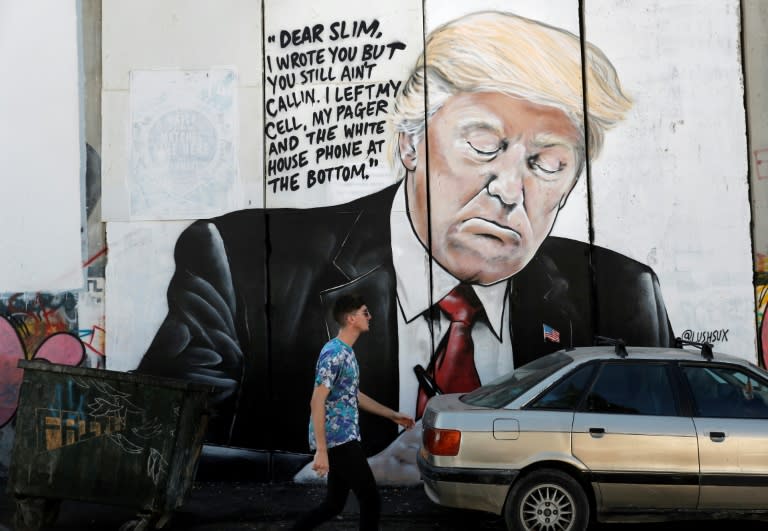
<point x="82" y="110"/>
<point x="745" y="94"/>
<point x="432" y="313"/>
<point x="263" y="105"/>
<point x="265" y="214"/>
<point x="595" y="311"/>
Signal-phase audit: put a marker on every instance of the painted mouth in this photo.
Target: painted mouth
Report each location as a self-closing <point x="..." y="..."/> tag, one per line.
<point x="492" y="230"/>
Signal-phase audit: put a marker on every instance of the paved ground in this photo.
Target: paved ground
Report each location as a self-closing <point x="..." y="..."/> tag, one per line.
<point x="219" y="506"/>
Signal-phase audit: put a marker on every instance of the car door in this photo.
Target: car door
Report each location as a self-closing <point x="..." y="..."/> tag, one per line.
<point x="641" y="454"/>
<point x="731" y="419"/>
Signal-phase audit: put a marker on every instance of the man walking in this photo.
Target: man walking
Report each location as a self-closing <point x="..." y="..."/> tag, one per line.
<point x="334" y="432"/>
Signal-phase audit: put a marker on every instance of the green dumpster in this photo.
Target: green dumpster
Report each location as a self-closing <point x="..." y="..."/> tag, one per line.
<point x="104" y="437"/>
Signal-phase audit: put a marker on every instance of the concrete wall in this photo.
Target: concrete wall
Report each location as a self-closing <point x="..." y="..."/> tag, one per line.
<point x="44" y="104"/>
<point x="668" y="191"/>
<point x="192" y="110"/>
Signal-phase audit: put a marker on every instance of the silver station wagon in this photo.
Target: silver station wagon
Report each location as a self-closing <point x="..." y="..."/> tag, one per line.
<point x="608" y="433"/>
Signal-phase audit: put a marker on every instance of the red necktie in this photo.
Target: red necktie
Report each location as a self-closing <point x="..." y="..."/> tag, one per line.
<point x="454" y="367"/>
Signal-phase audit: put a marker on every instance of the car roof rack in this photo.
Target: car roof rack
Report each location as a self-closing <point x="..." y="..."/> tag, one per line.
<point x="619" y="344"/>
<point x="706" y="348"/>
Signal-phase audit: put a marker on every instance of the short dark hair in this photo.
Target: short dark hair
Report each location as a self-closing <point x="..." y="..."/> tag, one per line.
<point x="345" y="305"/>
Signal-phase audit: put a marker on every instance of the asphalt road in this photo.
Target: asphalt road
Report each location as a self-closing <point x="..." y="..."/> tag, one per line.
<point x="219" y="506"/>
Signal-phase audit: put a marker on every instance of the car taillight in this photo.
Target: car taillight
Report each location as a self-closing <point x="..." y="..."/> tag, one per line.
<point x="442" y="442"/>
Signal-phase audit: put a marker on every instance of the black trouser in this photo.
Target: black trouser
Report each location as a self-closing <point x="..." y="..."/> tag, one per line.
<point x="348" y="470"/>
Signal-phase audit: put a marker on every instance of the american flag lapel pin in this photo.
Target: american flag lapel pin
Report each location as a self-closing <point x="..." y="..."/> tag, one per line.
<point x="550" y="334"/>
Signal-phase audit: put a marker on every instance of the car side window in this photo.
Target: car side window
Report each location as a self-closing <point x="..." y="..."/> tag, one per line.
<point x="634" y="388"/>
<point x="726" y="392"/>
<point x="566" y="394"/>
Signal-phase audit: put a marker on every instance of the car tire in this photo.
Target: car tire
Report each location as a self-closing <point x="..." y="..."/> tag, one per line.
<point x="547" y="499"/>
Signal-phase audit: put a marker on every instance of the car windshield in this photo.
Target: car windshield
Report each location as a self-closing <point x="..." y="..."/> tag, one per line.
<point x="504" y="390"/>
<point x="762" y="372"/>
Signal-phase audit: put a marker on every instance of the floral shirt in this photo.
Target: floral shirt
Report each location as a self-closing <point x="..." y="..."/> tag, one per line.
<point x="337" y="369"/>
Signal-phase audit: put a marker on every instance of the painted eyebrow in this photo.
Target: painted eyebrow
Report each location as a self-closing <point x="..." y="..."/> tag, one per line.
<point x="482" y="125"/>
<point x="547" y="140"/>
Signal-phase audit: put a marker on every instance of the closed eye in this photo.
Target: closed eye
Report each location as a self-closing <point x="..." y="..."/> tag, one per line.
<point x="488" y="153"/>
<point x="535" y="163"/>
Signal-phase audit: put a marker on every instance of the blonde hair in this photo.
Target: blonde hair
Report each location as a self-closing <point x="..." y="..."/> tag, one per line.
<point x="499" y="52"/>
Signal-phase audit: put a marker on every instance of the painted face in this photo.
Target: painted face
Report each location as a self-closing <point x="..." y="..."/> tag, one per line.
<point x="499" y="170"/>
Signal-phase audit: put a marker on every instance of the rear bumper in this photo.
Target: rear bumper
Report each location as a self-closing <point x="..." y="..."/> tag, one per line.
<point x="482" y="489"/>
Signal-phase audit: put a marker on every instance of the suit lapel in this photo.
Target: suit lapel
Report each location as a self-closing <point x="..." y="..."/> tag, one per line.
<point x="365" y="259"/>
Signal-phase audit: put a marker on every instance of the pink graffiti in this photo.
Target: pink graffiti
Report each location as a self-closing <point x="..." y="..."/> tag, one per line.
<point x="764" y="338"/>
<point x="60" y="347"/>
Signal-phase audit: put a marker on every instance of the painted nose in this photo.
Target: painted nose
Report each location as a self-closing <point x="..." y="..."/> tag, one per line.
<point x="506" y="181"/>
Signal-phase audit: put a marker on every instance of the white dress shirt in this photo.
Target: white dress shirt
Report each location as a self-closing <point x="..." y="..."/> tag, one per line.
<point x="493" y="346"/>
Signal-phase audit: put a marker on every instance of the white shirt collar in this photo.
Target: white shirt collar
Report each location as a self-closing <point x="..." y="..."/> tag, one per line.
<point x="411" y="262"/>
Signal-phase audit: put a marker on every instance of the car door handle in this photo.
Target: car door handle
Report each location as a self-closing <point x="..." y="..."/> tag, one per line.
<point x="717" y="436"/>
<point x="597" y="432"/>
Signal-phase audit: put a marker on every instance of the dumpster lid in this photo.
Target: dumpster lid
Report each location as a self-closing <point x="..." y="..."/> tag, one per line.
<point x="131" y="377"/>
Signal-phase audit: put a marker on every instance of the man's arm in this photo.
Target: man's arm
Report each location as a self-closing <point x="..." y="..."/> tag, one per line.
<point x="371" y="406"/>
<point x="317" y="409"/>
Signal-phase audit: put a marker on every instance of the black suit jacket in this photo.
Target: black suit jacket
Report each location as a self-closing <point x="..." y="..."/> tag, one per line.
<point x="249" y="309"/>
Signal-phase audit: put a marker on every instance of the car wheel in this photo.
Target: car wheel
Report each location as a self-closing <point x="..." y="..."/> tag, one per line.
<point x="547" y="500"/>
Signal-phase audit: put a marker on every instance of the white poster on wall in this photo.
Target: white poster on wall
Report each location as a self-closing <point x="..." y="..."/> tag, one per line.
<point x="183" y="144"/>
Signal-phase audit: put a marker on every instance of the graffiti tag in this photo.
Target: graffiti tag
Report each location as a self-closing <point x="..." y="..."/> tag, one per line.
<point x="706" y="336"/>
